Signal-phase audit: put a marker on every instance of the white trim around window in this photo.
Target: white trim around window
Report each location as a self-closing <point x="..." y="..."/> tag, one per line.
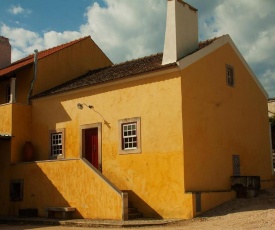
<point x="57" y="144"/>
<point x="129" y="136"/>
<point x="230" y="78"/>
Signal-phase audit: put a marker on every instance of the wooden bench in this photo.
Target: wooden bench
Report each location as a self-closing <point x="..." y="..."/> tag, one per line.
<point x="65" y="211"/>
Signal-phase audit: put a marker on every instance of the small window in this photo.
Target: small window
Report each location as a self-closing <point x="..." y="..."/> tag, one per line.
<point x="57" y="144"/>
<point x="129" y="134"/>
<point x="236" y="165"/>
<point x="16" y="190"/>
<point x="8" y="94"/>
<point x="230" y="81"/>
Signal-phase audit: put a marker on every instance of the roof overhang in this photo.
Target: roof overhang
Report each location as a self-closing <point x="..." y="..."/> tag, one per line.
<point x="226" y="39"/>
<point x="167" y="70"/>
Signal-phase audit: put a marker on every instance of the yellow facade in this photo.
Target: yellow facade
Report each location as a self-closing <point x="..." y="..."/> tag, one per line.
<point x="191" y="124"/>
<point x="66" y="183"/>
<point x="222" y="121"/>
<point x="68" y="63"/>
<point x="159" y="165"/>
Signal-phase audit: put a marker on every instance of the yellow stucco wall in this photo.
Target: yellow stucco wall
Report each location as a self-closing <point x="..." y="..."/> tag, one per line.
<point x="66" y="183"/>
<point x="222" y="121"/>
<point x="69" y="63"/>
<point x="154" y="177"/>
<point x="213" y="199"/>
<point x="23" y="84"/>
<point x="191" y="125"/>
<point x="6" y="119"/>
<point x="21" y="130"/>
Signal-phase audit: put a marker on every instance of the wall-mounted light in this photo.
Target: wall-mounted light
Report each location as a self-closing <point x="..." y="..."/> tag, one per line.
<point x="80" y="106"/>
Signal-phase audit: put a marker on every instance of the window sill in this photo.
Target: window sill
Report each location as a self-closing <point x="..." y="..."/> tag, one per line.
<point x="57" y="157"/>
<point x="129" y="151"/>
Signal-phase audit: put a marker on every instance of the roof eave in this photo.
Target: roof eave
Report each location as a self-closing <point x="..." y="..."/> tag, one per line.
<point x="130" y="78"/>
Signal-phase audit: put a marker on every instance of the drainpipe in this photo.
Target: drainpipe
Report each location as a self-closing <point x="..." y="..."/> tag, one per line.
<point x="34" y="75"/>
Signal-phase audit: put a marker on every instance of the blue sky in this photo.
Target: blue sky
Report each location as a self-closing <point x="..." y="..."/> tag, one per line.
<point x="127" y="29"/>
<point x="41" y="16"/>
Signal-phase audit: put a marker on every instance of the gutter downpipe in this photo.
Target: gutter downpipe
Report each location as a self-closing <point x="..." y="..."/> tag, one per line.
<point x="34" y="75"/>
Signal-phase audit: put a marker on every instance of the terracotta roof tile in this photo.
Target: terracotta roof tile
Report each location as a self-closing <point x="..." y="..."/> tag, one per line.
<point x="205" y="43"/>
<point x="114" y="72"/>
<point x="29" y="59"/>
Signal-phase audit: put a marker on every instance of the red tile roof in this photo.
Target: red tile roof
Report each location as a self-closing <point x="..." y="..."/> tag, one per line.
<point x="29" y="59"/>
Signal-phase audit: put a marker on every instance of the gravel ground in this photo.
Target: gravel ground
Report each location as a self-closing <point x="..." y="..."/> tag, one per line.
<point x="252" y="213"/>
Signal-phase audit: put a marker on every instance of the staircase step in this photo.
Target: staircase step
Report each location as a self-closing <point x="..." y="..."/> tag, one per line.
<point x="136" y="215"/>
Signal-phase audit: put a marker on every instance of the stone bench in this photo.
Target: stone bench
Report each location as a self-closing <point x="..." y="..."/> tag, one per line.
<point x="65" y="211"/>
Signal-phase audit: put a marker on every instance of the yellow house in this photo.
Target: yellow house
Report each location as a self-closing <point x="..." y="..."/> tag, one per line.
<point x="164" y="133"/>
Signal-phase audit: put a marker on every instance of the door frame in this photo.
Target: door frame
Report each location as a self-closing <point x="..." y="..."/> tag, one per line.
<point x="82" y="141"/>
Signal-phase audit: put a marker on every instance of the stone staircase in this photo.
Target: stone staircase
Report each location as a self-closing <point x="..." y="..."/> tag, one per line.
<point x="133" y="213"/>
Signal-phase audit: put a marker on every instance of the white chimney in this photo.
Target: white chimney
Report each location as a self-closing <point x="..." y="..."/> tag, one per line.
<point x="5" y="52"/>
<point x="181" y="36"/>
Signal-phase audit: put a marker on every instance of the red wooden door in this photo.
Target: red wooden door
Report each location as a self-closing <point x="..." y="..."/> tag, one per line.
<point x="91" y="146"/>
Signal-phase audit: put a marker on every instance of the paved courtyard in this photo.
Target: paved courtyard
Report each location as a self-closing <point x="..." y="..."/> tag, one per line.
<point x="252" y="213"/>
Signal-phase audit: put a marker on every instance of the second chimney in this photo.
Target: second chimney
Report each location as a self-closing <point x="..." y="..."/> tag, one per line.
<point x="181" y="36"/>
<point x="5" y="52"/>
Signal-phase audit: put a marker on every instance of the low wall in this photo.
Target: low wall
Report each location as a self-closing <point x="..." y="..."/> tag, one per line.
<point x="203" y="201"/>
<point x="67" y="183"/>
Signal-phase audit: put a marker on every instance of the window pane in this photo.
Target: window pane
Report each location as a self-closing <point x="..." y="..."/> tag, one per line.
<point x="56" y="143"/>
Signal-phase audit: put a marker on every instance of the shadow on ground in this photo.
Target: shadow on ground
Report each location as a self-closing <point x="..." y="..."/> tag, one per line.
<point x="265" y="201"/>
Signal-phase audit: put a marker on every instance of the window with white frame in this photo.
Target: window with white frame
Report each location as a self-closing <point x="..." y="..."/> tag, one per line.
<point x="230" y="81"/>
<point x="57" y="143"/>
<point x="129" y="134"/>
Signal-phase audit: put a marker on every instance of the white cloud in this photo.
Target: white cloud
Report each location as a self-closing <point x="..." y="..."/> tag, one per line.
<point x="244" y="20"/>
<point x="127" y="29"/>
<point x="24" y="42"/>
<point x="18" y="10"/>
<point x="122" y="29"/>
<point x="267" y="79"/>
<point x="53" y="38"/>
<point x="251" y="26"/>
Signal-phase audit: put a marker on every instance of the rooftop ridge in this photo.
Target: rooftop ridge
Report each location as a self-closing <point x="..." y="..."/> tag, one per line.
<point x="207" y="42"/>
<point x="59" y="47"/>
<point x="41" y="54"/>
<point x="137" y="59"/>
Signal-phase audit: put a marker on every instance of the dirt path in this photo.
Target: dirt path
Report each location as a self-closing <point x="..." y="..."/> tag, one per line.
<point x="253" y="213"/>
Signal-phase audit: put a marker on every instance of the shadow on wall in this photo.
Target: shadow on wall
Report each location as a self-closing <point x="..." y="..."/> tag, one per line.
<point x="38" y="192"/>
<point x="142" y="206"/>
<point x="5" y="158"/>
